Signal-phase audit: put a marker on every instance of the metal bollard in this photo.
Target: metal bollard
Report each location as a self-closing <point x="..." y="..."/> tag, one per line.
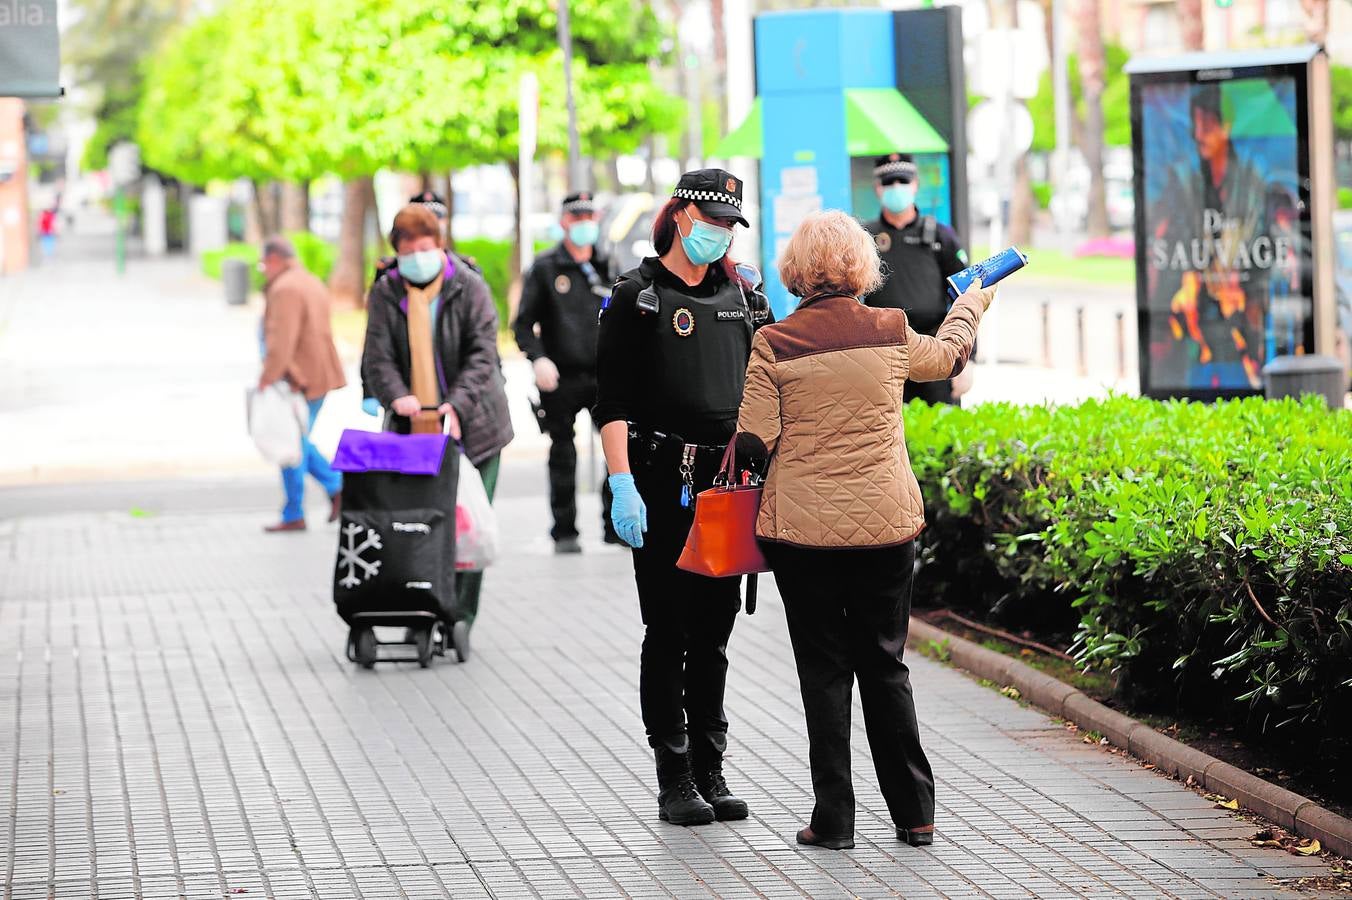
<point x="1079" y="339"/>
<point x="1121" y="346"/>
<point x="1046" y="334"/>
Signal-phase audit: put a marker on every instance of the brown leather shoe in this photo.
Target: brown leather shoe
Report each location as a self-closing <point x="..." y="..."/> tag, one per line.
<point x="294" y="525"/>
<point x="809" y="838"/>
<point x="337" y="506"/>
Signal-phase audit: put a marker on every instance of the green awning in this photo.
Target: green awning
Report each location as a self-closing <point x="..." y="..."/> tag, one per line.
<point x="881" y="120"/>
<point x="877" y="121"/>
<point x="745" y="139"/>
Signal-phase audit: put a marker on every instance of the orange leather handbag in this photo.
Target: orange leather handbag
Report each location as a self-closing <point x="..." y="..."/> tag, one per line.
<point x="722" y="542"/>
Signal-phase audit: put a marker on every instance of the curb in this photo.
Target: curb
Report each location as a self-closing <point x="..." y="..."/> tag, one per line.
<point x="1288" y="809"/>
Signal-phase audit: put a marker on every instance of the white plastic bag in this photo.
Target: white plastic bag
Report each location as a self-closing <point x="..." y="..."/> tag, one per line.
<point x="476" y="524"/>
<point x="278" y="418"/>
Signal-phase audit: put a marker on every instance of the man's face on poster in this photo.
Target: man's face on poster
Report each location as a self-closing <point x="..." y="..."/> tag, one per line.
<point x="1211" y="134"/>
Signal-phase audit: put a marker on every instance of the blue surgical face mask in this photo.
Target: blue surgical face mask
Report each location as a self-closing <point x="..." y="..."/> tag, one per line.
<point x="898" y="197"/>
<point x="584" y="233"/>
<point x="423" y="266"/>
<point x="705" y="243"/>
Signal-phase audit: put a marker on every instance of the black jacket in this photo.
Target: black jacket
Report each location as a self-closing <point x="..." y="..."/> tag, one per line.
<point x="557" y="295"/>
<point x="469" y="370"/>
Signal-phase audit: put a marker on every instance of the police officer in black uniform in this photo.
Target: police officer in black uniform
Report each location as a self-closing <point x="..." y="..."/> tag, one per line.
<point x="920" y="253"/>
<point x="671" y="364"/>
<point x="556" y="325"/>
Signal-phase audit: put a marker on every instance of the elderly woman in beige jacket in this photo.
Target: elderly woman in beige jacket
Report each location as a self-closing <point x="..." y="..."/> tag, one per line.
<point x="841" y="509"/>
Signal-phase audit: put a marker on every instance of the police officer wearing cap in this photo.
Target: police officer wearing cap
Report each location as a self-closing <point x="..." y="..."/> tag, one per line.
<point x="556" y="325"/>
<point x="674" y="342"/>
<point x="920" y="253"/>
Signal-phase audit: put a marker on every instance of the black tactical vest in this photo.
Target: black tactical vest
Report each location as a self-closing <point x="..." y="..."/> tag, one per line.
<point x="700" y="349"/>
<point x="914" y="282"/>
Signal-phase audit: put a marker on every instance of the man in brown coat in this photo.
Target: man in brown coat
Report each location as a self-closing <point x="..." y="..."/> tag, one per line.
<point x="298" y="349"/>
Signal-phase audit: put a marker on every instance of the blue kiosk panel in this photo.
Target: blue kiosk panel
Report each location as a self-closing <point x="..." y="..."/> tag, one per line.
<point x="804" y="62"/>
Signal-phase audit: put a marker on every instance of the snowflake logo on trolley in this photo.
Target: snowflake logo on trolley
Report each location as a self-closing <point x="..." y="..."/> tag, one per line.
<point x="350" y="555"/>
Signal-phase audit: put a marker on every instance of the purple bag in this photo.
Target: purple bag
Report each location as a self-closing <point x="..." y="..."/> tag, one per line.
<point x="386" y="451"/>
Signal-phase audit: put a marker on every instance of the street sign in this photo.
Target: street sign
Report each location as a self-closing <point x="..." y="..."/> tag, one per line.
<point x="1005" y="63"/>
<point x="30" y="57"/>
<point x="124" y="163"/>
<point x="988" y="134"/>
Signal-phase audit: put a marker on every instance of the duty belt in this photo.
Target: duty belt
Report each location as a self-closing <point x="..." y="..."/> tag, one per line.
<point x="654" y="442"/>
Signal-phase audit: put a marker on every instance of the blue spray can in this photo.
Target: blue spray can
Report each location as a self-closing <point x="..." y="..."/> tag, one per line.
<point x="1006" y="262"/>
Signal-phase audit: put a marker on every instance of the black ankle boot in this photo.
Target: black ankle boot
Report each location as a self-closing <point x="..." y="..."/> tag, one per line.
<point x="678" y="802"/>
<point x="707" y="764"/>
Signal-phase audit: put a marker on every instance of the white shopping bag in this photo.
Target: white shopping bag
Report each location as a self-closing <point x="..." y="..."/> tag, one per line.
<point x="476" y="524"/>
<point x="278" y="418"/>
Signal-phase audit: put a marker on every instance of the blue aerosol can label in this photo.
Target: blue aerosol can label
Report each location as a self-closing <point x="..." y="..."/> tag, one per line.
<point x="990" y="271"/>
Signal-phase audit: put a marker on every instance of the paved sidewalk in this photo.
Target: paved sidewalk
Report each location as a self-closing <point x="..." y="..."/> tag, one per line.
<point x="177" y="719"/>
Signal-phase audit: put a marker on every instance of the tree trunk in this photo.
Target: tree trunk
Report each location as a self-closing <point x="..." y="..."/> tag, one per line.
<point x="1316" y="20"/>
<point x="349" y="271"/>
<point x="1191" y="24"/>
<point x="269" y="211"/>
<point x="1092" y="67"/>
<point x="1021" y="205"/>
<point x="720" y="64"/>
<point x="514" y="270"/>
<point x="295" y="213"/>
<point x="254" y="232"/>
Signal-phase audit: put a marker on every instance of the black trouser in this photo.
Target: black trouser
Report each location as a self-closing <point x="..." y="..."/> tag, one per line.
<point x="687" y="618"/>
<point x="561" y="406"/>
<point x="848" y="613"/>
<point x="929" y="391"/>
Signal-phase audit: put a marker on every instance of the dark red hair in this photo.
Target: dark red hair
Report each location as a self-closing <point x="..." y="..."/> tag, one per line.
<point x="665" y="233"/>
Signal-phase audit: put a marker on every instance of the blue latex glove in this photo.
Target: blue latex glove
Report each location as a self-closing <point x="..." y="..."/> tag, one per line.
<point x="627" y="511"/>
<point x="371" y="406"/>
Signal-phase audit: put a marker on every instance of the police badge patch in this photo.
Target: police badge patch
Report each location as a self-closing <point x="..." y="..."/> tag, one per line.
<point x="884" y="241"/>
<point x="562" y="284"/>
<point x="683" y="322"/>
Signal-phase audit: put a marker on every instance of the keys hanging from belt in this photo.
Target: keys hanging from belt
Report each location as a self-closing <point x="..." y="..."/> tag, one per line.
<point x="688" y="475"/>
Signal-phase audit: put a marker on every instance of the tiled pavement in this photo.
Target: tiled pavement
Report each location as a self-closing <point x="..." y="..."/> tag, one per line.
<point x="177" y="719"/>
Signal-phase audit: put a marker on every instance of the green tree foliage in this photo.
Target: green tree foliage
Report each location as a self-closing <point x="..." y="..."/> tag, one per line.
<point x="104" y="47"/>
<point x="1116" y="103"/>
<point x="351" y="86"/>
<point x="1340" y="78"/>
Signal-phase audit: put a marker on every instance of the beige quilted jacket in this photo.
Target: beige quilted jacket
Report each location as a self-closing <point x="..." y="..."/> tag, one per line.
<point x="824" y="400"/>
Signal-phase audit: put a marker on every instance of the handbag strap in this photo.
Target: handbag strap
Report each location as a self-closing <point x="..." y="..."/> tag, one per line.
<point x="727" y="474"/>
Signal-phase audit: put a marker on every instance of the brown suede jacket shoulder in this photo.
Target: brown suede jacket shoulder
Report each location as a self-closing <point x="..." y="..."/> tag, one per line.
<point x="824" y="400"/>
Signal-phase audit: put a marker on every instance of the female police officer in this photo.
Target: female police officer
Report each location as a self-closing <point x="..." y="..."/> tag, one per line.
<point x="672" y="351"/>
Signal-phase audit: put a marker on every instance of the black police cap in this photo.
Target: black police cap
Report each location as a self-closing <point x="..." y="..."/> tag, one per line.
<point x="433" y="202"/>
<point x="895" y="167"/>
<point x="581" y="203"/>
<point x="717" y="193"/>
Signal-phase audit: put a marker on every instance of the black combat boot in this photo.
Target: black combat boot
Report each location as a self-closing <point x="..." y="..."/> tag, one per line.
<point x="678" y="802"/>
<point x="707" y="765"/>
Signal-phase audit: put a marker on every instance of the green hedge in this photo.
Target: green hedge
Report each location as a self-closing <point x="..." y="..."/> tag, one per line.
<point x="1345" y="198"/>
<point x="317" y="254"/>
<point x="1202" y="552"/>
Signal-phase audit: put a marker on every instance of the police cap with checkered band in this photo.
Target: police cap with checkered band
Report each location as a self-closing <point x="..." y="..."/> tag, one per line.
<point x="582" y="203"/>
<point x="895" y="167"/>
<point x="716" y="192"/>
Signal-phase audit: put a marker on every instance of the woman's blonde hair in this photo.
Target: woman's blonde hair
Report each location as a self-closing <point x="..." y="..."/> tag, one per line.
<point x="830" y="253"/>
